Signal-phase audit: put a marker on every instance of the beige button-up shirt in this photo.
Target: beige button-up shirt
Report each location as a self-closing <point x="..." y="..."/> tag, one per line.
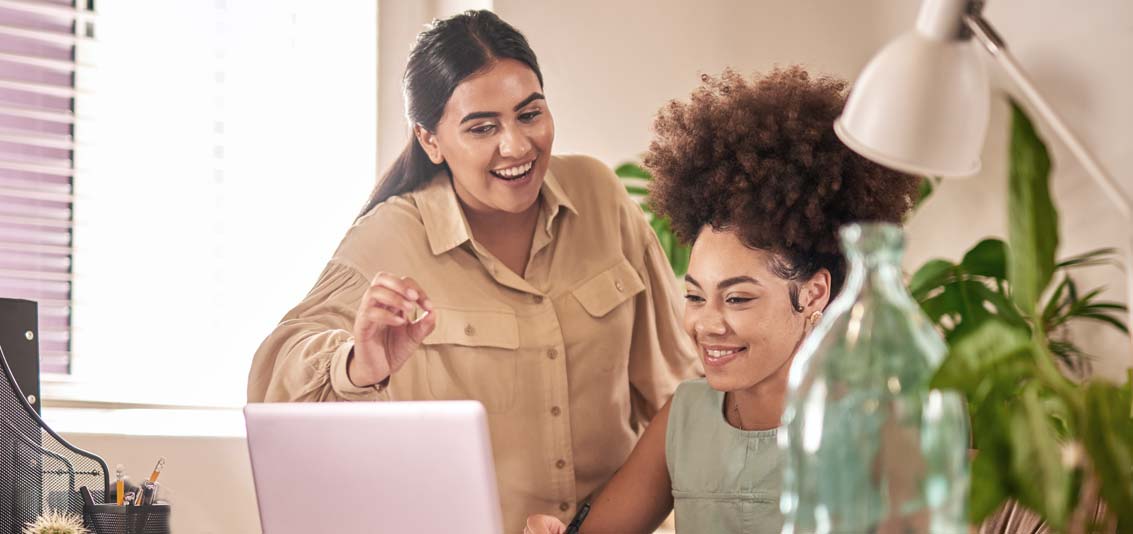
<point x="570" y="360"/>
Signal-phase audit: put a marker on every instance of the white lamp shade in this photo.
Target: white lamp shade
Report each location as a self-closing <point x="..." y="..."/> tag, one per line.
<point x="920" y="106"/>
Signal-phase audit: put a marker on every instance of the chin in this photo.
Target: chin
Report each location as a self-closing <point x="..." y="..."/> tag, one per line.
<point x="721" y="381"/>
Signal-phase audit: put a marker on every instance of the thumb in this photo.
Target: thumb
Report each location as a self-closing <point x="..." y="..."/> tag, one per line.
<point x="422" y="328"/>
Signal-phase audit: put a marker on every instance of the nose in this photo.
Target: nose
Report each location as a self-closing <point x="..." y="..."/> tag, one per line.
<point x="514" y="143"/>
<point x="709" y="323"/>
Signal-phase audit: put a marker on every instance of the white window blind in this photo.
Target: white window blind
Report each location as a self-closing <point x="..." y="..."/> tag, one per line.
<point x="41" y="46"/>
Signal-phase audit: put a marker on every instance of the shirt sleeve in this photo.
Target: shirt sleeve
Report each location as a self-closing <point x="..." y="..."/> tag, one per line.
<point x="661" y="355"/>
<point x="304" y="358"/>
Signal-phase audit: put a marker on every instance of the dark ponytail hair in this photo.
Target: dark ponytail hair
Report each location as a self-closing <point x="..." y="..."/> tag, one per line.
<point x="446" y="53"/>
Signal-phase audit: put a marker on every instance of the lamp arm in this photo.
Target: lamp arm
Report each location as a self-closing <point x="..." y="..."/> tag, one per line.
<point x="991" y="41"/>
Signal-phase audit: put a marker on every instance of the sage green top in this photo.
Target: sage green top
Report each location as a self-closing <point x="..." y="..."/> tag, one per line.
<point x="724" y="479"/>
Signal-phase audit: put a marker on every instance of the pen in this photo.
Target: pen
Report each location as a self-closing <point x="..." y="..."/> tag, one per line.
<point x="576" y="523"/>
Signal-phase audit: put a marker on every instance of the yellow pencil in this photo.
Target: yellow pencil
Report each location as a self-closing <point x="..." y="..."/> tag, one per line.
<point x="120" y="484"/>
<point x="157" y="469"/>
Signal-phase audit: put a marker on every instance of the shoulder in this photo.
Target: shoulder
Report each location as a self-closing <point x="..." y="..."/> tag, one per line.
<point x="693" y="392"/>
<point x="600" y="198"/>
<point x="389" y="237"/>
<point x="588" y="181"/>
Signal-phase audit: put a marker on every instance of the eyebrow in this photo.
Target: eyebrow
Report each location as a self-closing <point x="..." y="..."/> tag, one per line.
<point x="492" y="114"/>
<point x="726" y="282"/>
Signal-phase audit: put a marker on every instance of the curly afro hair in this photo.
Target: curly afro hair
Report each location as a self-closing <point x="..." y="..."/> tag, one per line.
<point x="760" y="157"/>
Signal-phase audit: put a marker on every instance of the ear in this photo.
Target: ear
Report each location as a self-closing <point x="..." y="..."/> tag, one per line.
<point x="428" y="141"/>
<point x="814" y="294"/>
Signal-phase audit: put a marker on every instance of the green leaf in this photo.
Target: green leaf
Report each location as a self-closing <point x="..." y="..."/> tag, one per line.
<point x="930" y="276"/>
<point x="989" y="488"/>
<point x="994" y="345"/>
<point x="927" y="186"/>
<point x="987" y="258"/>
<point x="1044" y="484"/>
<point x="1056" y="305"/>
<point x="632" y="170"/>
<point x="636" y="190"/>
<point x="1033" y="225"/>
<point x="1108" y="319"/>
<point x="1101" y="256"/>
<point x="1107" y="435"/>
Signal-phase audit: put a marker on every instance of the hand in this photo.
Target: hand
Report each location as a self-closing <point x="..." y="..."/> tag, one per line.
<point x="544" y="524"/>
<point x="384" y="337"/>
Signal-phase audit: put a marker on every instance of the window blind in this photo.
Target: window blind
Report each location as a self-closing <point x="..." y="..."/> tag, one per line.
<point x="40" y="41"/>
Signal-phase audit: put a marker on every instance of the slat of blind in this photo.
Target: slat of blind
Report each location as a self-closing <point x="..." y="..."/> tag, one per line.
<point x="28" y="139"/>
<point x="48" y="115"/>
<point x="48" y="210"/>
<point x="30" y="248"/>
<point x="38" y="88"/>
<point x="40" y="35"/>
<point x="50" y="10"/>
<point x="47" y="236"/>
<point x="36" y="221"/>
<point x="42" y="262"/>
<point x="52" y="64"/>
<point x="34" y="195"/>
<point x="56" y="169"/>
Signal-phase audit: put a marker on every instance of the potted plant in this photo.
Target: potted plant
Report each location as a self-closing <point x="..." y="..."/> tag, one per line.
<point x="1003" y="310"/>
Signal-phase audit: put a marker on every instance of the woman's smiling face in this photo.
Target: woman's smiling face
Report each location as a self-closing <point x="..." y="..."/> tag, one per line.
<point x="739" y="312"/>
<point x="495" y="135"/>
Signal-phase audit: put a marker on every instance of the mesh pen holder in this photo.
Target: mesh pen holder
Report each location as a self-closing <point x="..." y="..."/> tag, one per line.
<point x="114" y="519"/>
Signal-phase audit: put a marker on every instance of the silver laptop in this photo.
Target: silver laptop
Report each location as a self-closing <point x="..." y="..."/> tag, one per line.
<point x="373" y="467"/>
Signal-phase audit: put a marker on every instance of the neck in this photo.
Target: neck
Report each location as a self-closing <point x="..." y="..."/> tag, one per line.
<point x="485" y="223"/>
<point x="761" y="406"/>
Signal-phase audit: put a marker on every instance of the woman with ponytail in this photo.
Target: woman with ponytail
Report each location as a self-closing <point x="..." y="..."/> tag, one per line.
<point x="485" y="268"/>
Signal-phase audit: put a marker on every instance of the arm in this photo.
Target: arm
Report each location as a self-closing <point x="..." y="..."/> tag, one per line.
<point x="314" y="354"/>
<point x="640" y="495"/>
<point x="662" y="356"/>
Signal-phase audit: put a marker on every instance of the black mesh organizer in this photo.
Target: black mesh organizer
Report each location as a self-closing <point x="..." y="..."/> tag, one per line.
<point x="40" y="471"/>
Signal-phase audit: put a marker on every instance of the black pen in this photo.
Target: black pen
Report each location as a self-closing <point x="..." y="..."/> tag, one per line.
<point x="575" y="523"/>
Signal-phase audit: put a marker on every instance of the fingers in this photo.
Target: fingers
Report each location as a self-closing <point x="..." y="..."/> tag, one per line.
<point x="384" y="298"/>
<point x="424" y="326"/>
<point x="543" y="524"/>
<point x="405" y="286"/>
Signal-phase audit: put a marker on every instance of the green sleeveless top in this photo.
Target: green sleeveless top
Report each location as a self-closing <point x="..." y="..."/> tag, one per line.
<point x="724" y="479"/>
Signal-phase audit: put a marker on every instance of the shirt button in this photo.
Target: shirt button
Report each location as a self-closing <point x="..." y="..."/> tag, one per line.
<point x="469" y="330"/>
<point x="538" y="299"/>
<point x="564" y="506"/>
<point x="552" y="353"/>
<point x="618" y="285"/>
<point x="560" y="464"/>
<point x="555" y="411"/>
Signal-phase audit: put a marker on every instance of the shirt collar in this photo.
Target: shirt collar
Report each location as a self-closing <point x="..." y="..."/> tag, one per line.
<point x="445" y="225"/>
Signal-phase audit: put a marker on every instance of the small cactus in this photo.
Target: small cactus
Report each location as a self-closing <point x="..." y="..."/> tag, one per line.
<point x="54" y="522"/>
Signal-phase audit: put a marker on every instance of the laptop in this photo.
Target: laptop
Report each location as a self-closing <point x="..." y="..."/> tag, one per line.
<point x="373" y="467"/>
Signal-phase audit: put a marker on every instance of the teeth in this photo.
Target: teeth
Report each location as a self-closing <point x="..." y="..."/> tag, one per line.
<point x="720" y="353"/>
<point x="512" y="172"/>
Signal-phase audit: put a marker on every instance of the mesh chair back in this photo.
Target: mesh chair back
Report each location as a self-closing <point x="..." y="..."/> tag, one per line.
<point x="39" y="471"/>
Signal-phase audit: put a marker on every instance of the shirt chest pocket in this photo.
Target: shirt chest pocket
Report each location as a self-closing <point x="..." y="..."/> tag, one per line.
<point x="605" y="291"/>
<point x="471" y="355"/>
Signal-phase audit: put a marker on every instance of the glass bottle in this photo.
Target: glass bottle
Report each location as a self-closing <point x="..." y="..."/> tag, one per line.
<point x="868" y="447"/>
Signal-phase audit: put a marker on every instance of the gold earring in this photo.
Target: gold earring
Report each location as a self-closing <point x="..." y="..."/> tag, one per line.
<point x="814" y="318"/>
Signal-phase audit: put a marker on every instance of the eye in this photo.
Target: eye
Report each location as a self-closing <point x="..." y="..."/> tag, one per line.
<point x="739" y="300"/>
<point x="695" y="299"/>
<point x="483" y="129"/>
<point x="529" y="116"/>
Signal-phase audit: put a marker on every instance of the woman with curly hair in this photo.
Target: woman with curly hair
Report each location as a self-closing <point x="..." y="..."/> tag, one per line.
<point x="751" y="173"/>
